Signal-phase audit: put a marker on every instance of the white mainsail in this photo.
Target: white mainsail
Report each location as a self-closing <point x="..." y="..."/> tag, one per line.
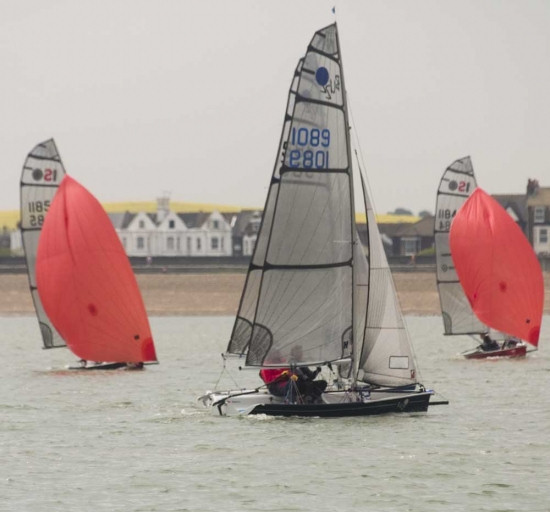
<point x="42" y="172"/>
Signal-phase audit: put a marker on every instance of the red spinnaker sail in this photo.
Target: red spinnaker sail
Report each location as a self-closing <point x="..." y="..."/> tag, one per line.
<point x="497" y="268"/>
<point x="86" y="283"/>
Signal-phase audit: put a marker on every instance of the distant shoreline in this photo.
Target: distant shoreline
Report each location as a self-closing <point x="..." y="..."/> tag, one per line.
<point x="211" y="294"/>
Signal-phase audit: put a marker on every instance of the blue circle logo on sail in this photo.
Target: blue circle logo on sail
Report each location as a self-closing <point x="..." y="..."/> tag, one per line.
<point x="322" y="76"/>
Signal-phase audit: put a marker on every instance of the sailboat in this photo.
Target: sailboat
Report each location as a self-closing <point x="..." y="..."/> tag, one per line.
<point x="41" y="175"/>
<point x="499" y="272"/>
<point x="87" y="286"/>
<point x="312" y="288"/>
<point x="456" y="186"/>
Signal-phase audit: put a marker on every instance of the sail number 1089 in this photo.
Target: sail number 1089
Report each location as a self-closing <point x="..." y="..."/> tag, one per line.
<point x="300" y="138"/>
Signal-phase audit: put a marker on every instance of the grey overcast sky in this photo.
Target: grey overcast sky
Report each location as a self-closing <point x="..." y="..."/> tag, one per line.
<point x="145" y="97"/>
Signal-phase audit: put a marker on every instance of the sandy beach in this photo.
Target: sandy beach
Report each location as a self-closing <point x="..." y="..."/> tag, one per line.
<point x="219" y="293"/>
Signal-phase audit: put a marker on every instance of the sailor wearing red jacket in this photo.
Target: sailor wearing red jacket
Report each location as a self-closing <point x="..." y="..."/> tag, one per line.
<point x="277" y="380"/>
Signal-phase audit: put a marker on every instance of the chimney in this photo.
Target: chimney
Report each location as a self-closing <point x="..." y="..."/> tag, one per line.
<point x="163" y="208"/>
<point x="532" y="187"/>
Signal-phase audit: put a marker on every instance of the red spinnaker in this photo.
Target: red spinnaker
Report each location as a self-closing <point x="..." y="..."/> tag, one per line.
<point x="497" y="267"/>
<point x="86" y="283"/>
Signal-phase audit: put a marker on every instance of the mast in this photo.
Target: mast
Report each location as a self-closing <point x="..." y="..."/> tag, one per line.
<point x="353" y="228"/>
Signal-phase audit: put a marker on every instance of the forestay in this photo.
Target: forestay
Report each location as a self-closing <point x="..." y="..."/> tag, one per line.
<point x="457" y="183"/>
<point x="41" y="175"/>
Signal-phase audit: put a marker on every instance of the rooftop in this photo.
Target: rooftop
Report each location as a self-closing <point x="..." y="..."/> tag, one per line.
<point x="10" y="218"/>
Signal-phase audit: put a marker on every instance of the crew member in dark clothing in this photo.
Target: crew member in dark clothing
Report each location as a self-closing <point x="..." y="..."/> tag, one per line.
<point x="310" y="389"/>
<point x="488" y="343"/>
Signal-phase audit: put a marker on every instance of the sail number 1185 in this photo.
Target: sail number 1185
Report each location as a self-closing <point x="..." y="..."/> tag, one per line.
<point x="37" y="211"/>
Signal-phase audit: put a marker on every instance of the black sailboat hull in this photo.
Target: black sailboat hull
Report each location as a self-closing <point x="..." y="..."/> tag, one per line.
<point x="409" y="403"/>
<point x="100" y="366"/>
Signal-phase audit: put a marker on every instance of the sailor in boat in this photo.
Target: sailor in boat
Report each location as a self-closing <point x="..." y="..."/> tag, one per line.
<point x="309" y="389"/>
<point x="488" y="343"/>
<point x="84" y="363"/>
<point x="511" y="342"/>
<point x="277" y="380"/>
<point x="134" y="366"/>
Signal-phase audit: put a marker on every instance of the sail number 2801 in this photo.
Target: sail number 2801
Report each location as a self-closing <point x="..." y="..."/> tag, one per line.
<point x="310" y="138"/>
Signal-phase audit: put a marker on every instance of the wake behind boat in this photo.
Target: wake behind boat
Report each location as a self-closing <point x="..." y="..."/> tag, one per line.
<point x="314" y="296"/>
<point x="87" y="286"/>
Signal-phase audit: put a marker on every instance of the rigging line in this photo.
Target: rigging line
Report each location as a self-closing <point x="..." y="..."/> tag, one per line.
<point x="360" y="159"/>
<point x="224" y="370"/>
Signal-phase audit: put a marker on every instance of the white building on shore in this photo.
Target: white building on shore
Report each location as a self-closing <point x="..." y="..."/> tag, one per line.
<point x="167" y="233"/>
<point x="164" y="233"/>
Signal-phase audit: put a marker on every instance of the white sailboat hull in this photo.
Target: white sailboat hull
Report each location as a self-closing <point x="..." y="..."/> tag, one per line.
<point x="333" y="404"/>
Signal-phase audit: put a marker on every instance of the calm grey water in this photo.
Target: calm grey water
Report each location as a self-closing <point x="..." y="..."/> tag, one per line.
<point x="138" y="441"/>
